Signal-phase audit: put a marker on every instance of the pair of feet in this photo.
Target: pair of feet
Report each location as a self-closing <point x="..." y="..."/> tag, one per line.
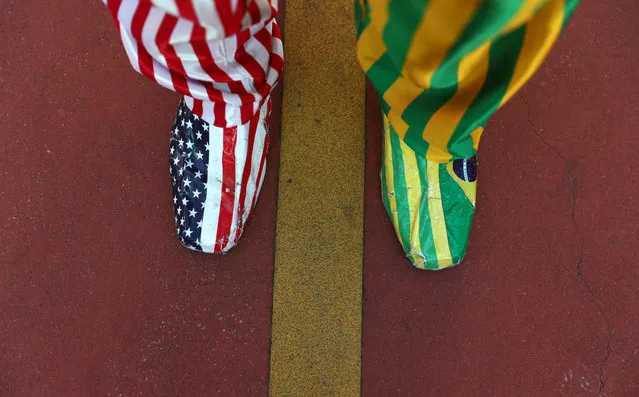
<point x="217" y="174"/>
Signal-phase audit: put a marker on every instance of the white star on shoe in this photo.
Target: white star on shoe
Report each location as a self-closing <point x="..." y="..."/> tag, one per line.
<point x="190" y="155"/>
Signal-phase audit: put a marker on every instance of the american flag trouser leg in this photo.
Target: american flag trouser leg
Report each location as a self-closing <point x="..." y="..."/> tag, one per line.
<point x="224" y="57"/>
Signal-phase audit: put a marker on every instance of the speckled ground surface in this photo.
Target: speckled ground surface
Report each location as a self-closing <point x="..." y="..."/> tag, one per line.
<point x="318" y="265"/>
<point x="547" y="301"/>
<point x="98" y="298"/>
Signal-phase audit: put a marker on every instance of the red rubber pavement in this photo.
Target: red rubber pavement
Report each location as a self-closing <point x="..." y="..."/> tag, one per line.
<point x="98" y="297"/>
<point x="547" y="301"/>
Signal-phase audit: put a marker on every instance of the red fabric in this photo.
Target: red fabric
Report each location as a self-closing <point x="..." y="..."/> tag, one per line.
<point x="245" y="176"/>
<point x="227" y="204"/>
<point x="188" y="60"/>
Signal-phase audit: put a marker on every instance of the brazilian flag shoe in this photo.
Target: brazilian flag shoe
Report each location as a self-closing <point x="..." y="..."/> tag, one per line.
<point x="430" y="204"/>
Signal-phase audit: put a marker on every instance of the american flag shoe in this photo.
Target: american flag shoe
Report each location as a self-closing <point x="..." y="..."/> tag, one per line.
<point x="217" y="174"/>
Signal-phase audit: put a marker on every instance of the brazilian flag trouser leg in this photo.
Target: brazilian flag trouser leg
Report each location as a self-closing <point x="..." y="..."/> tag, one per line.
<point x="441" y="68"/>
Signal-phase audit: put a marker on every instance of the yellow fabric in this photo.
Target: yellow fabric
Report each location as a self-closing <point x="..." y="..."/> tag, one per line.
<point x="455" y="45"/>
<point x="437" y="220"/>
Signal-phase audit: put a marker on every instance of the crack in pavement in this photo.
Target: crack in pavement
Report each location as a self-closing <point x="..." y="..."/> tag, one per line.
<point x="570" y="166"/>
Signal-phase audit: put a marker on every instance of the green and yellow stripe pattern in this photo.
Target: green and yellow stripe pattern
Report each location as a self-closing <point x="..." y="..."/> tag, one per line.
<point x="430" y="207"/>
<point x="442" y="67"/>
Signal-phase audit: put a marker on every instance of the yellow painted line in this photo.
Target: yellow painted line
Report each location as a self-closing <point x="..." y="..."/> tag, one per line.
<point x="316" y="334"/>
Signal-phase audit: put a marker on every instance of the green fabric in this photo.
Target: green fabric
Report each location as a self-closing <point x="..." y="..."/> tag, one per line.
<point x="362" y="17"/>
<point x="458" y="212"/>
<point x="425" y="229"/>
<point x="385" y="200"/>
<point x="502" y="61"/>
<point x="571" y="5"/>
<point x="383" y="73"/>
<point x="401" y="194"/>
<point x="404" y="17"/>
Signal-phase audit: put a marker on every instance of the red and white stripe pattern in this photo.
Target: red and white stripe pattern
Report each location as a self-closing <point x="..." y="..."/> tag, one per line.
<point x="224" y="56"/>
<point x="236" y="167"/>
<point x="217" y="174"/>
